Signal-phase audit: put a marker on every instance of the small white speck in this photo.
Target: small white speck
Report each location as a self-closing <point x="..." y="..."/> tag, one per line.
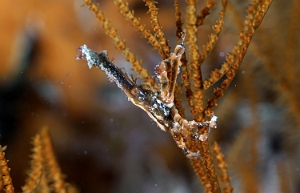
<point x="155" y="185"/>
<point x="222" y="54"/>
<point x="85" y="152"/>
<point x="243" y="71"/>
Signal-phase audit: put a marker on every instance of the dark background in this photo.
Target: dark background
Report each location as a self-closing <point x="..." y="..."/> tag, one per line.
<point x="103" y="142"/>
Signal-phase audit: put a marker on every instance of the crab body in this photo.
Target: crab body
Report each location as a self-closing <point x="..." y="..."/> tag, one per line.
<point x="157" y="100"/>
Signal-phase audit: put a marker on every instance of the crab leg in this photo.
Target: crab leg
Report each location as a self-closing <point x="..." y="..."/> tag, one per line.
<point x="167" y="72"/>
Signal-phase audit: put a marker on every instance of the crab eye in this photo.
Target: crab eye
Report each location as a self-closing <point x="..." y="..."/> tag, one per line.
<point x="134" y="91"/>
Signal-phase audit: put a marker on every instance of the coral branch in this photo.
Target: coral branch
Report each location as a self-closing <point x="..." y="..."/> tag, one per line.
<point x="153" y="10"/>
<point x="51" y="165"/>
<point x="35" y="174"/>
<point x="207" y="48"/>
<point x="5" y="181"/>
<point x="256" y="12"/>
<point x="44" y="175"/>
<point x="129" y="16"/>
<point x="193" y="61"/>
<point x="204" y="12"/>
<point x="120" y="44"/>
<point x="223" y="167"/>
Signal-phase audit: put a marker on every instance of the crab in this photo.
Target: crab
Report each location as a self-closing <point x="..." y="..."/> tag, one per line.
<point x="157" y="101"/>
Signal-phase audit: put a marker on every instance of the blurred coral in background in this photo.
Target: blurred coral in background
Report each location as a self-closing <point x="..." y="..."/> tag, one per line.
<point x="102" y="142"/>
